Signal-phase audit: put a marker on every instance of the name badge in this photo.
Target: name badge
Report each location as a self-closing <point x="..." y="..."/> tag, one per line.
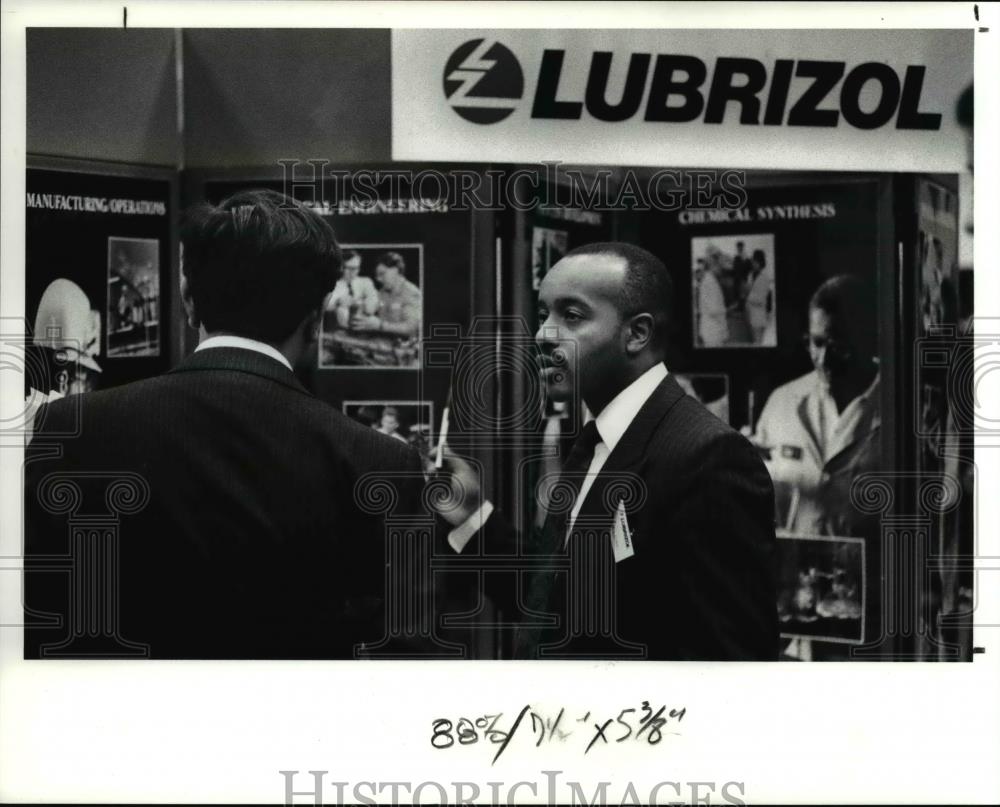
<point x="791" y="452"/>
<point x="621" y="536"/>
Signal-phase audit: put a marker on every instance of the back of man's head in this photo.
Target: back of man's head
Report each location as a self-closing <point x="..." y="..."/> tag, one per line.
<point x="647" y="287"/>
<point x="257" y="264"/>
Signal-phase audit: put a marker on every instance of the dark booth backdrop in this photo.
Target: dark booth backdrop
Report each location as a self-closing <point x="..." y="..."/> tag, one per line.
<point x="466" y="268"/>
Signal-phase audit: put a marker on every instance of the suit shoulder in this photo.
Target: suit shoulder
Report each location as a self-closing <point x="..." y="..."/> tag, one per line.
<point x="694" y="436"/>
<point x="689" y="423"/>
<point x="126" y="394"/>
<point x="363" y="443"/>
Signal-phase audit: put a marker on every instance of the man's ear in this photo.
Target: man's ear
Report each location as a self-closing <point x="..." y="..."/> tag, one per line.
<point x="192" y="316"/>
<point x="639" y="334"/>
<point x="310" y="325"/>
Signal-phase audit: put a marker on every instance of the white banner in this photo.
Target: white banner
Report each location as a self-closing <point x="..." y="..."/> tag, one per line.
<point x="796" y="99"/>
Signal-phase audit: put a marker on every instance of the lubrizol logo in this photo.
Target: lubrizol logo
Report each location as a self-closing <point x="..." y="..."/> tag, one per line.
<point x="483" y="81"/>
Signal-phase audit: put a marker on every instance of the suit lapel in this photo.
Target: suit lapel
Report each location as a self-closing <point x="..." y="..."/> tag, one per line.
<point x="243" y="361"/>
<point x="546" y="590"/>
<point x="630" y="451"/>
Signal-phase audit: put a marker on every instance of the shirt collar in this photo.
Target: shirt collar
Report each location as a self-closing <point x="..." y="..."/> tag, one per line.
<point x="823" y="391"/>
<point x="617" y="416"/>
<point x="230" y="340"/>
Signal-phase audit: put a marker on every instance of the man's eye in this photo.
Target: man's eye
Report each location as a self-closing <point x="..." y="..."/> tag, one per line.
<point x="572" y="316"/>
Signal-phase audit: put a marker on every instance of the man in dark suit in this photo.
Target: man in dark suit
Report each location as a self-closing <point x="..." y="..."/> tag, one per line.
<point x="235" y="527"/>
<point x="662" y="547"/>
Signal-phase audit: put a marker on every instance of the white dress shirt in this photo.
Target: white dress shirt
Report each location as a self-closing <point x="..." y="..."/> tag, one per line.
<point x="612" y="423"/>
<point x="229" y="340"/>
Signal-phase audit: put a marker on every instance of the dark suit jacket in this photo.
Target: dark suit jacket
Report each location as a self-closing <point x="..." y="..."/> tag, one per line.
<point x="252" y="543"/>
<point x="700" y="505"/>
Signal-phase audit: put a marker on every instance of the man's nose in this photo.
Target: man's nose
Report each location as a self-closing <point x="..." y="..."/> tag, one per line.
<point x="546" y="335"/>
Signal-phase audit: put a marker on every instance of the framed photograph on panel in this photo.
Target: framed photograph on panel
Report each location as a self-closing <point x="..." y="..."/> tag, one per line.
<point x="733" y="291"/>
<point x="937" y="255"/>
<point x="821" y="588"/>
<point x="133" y="297"/>
<point x="373" y="318"/>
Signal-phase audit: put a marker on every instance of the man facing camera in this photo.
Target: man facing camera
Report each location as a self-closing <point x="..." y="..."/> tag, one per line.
<point x="680" y="570"/>
<point x="251" y="543"/>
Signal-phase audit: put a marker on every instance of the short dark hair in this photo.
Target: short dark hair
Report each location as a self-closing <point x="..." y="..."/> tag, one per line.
<point x="849" y="300"/>
<point x="647" y="288"/>
<point x="349" y="255"/>
<point x="258" y="263"/>
<point x="392" y="260"/>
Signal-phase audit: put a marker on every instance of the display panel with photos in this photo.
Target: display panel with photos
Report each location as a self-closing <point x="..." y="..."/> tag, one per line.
<point x="133" y="299"/>
<point x="733" y="299"/>
<point x="374" y="315"/>
<point x="936" y="256"/>
<point x="820" y="235"/>
<point x="96" y="281"/>
<point x="821" y="588"/>
<point x="942" y="410"/>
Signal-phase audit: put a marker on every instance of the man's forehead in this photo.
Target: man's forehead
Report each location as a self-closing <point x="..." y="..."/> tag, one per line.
<point x="584" y="276"/>
<point x="822" y="321"/>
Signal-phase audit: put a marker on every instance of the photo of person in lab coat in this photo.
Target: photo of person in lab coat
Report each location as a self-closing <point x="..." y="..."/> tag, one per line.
<point x="820" y="431"/>
<point x="734" y="294"/>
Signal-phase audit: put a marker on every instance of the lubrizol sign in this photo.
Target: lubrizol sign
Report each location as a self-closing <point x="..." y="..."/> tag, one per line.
<point x="843" y="100"/>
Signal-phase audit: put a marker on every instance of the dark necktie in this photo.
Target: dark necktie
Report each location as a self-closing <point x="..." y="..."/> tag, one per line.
<point x="576" y="466"/>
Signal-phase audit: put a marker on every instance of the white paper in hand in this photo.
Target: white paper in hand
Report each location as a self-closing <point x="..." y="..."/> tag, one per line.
<point x="621" y="536"/>
<point x="439" y="459"/>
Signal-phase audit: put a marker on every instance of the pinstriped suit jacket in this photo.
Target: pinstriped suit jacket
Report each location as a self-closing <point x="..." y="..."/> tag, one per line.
<point x="701" y="584"/>
<point x="252" y="544"/>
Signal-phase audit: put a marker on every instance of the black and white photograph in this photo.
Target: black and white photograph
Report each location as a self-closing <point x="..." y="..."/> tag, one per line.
<point x="734" y="303"/>
<point x="821" y="588"/>
<point x="133" y="297"/>
<point x="709" y="389"/>
<point x="937" y="255"/>
<point x="410" y="422"/>
<point x="498" y="403"/>
<point x="373" y="316"/>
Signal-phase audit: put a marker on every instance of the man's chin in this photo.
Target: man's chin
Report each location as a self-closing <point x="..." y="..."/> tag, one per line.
<point x="561" y="390"/>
